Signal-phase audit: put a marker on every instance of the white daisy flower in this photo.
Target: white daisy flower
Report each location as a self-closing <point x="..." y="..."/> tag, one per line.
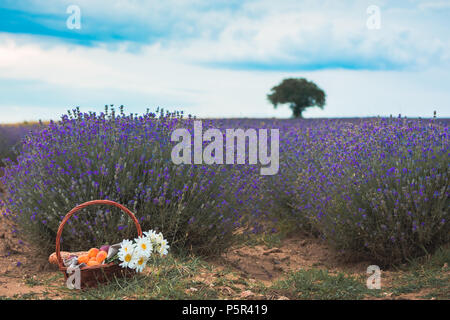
<point x="126" y="259"/>
<point x="127" y="246"/>
<point x="139" y="262"/>
<point x="125" y="253"/>
<point x="163" y="247"/>
<point x="144" y="245"/>
<point x="150" y="234"/>
<point x="153" y="236"/>
<point x="160" y="245"/>
<point x="159" y="237"/>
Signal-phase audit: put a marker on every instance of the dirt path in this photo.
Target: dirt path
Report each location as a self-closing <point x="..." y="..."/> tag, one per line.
<point x="22" y="277"/>
<point x="18" y="272"/>
<point x="269" y="264"/>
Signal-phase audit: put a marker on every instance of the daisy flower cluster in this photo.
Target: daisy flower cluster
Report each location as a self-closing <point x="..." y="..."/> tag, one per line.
<point x="135" y="254"/>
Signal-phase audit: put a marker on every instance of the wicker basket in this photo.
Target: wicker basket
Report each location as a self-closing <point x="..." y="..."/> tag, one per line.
<point x="91" y="276"/>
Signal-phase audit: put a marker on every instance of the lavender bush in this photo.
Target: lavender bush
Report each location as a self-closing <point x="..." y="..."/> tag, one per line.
<point x="10" y="137"/>
<point x="375" y="188"/>
<point x="124" y="158"/>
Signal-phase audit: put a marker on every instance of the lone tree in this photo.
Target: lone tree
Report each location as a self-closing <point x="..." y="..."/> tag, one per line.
<point x="299" y="93"/>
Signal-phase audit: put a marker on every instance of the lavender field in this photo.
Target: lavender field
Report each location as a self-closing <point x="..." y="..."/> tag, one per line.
<point x="268" y="150"/>
<point x="11" y="136"/>
<point x="374" y="188"/>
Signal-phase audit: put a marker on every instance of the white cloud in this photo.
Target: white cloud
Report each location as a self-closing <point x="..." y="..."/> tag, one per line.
<point x="20" y="113"/>
<point x="296" y="34"/>
<point x="174" y="73"/>
<point x="92" y="77"/>
<point x="433" y="5"/>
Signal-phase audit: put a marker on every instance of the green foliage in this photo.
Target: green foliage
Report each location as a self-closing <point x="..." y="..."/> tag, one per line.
<point x="318" y="284"/>
<point x="299" y="93"/>
<point x="429" y="275"/>
<point x="170" y="279"/>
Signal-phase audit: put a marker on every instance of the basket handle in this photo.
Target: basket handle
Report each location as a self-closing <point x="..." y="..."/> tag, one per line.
<point x="82" y="206"/>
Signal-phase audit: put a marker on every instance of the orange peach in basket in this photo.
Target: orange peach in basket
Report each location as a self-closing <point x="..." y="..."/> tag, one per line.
<point x="92" y="253"/>
<point x="83" y="259"/>
<point x="91" y="263"/>
<point x="101" y="256"/>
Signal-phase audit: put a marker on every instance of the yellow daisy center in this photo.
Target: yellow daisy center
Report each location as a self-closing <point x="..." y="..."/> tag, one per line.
<point x="144" y="246"/>
<point x="141" y="261"/>
<point x="128" y="258"/>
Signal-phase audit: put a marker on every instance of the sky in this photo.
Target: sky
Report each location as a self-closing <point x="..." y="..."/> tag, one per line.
<point x="221" y="58"/>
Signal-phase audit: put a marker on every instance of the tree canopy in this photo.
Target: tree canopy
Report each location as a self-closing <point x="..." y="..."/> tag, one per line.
<point x="299" y="93"/>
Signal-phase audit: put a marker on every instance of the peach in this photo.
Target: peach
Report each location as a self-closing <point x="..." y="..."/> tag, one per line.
<point x="92" y="253"/>
<point x="91" y="263"/>
<point x="83" y="259"/>
<point x="101" y="256"/>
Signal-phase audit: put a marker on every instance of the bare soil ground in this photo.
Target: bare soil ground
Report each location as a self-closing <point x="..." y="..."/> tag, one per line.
<point x="22" y="276"/>
<point x="19" y="270"/>
<point x="303" y="252"/>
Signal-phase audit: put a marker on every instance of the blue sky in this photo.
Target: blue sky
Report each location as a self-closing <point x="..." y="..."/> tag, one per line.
<point x="220" y="58"/>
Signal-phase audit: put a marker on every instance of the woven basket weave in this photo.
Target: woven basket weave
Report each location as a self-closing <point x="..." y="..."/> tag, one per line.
<point x="91" y="276"/>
